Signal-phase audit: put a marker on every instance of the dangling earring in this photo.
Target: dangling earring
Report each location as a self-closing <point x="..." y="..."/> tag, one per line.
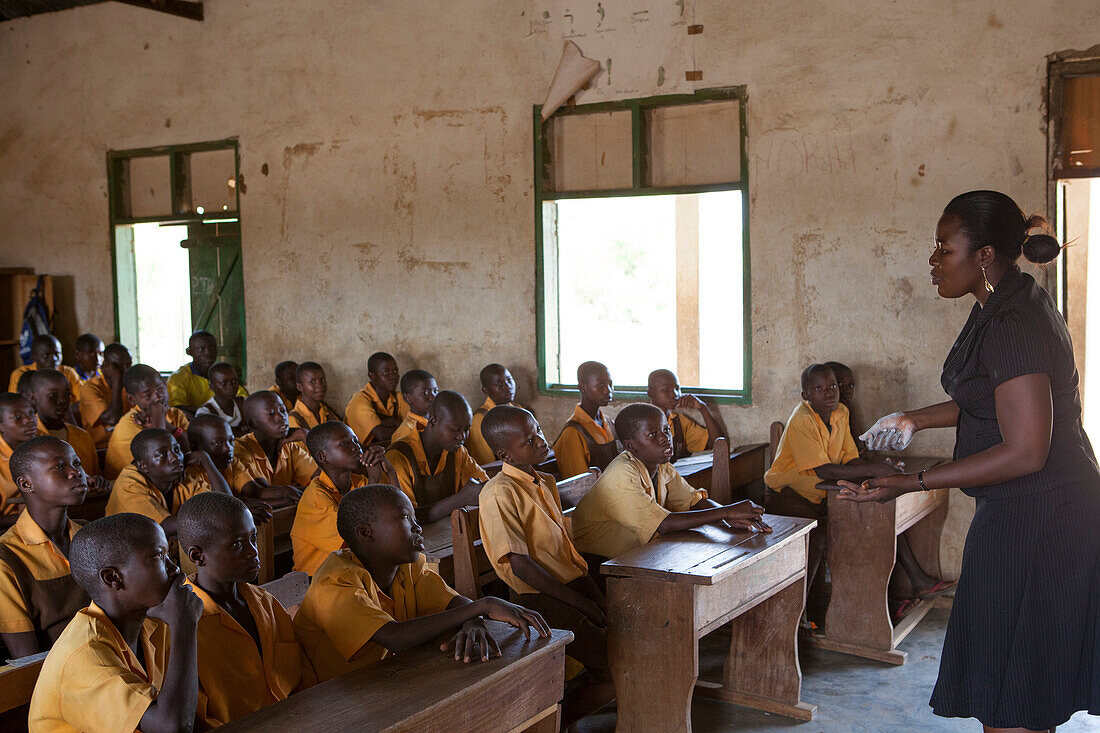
<point x="988" y="287"/>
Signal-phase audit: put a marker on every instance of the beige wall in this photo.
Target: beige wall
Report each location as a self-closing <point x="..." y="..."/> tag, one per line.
<point x="396" y="211"/>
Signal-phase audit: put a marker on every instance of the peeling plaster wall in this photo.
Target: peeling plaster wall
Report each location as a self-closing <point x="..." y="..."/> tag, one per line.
<point x="386" y="150"/>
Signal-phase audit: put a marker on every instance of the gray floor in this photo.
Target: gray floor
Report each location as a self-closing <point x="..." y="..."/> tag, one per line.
<point x="851" y="694"/>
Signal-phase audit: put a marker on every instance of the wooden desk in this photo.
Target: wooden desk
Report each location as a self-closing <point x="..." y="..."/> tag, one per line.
<point x="439" y="550"/>
<point x="747" y="466"/>
<point x="273" y="538"/>
<point x="862" y="540"/>
<point x="425" y="689"/>
<point x="664" y="596"/>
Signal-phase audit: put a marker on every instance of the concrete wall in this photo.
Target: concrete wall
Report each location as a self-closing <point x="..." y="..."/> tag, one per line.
<point x="396" y="207"/>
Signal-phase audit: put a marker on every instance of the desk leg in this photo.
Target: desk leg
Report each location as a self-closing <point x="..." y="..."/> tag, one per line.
<point x="924" y="539"/>
<point x="653" y="653"/>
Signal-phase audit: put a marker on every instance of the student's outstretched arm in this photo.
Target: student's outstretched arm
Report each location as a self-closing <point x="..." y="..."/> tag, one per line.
<point x="466" y="496"/>
<point x="174" y="708"/>
<point x="401" y="635"/>
<point x="534" y="575"/>
<point x="742" y="515"/>
<point x="201" y="458"/>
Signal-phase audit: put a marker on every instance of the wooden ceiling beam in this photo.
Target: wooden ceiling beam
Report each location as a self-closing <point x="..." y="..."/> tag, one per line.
<point x="190" y="9"/>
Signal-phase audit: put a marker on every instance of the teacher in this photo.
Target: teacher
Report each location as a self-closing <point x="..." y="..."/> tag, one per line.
<point x="1022" y="649"/>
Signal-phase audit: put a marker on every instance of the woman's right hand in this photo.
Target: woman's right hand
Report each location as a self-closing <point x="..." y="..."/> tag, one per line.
<point x="893" y="432"/>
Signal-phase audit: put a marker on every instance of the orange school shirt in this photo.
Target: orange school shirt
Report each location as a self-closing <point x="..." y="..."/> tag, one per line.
<point x="476" y="443"/>
<point x="344" y="608"/>
<point x="92" y="681"/>
<point x="70" y="374"/>
<point x="365" y="411"/>
<point x="313" y="535"/>
<point x="95" y="397"/>
<point x="301" y="417"/>
<point x="806" y="444"/>
<point x="571" y="449"/>
<point x="43" y="563"/>
<point x="294" y="466"/>
<point x="118" y="446"/>
<point x="237" y="677"/>
<point x="411" y="425"/>
<point x="465" y="467"/>
<point x="289" y="404"/>
<point x="7" y="485"/>
<point x="133" y="492"/>
<point x="696" y="437"/>
<point x="82" y="445"/>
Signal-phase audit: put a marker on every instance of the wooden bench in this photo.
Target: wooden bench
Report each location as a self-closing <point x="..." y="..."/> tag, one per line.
<point x="17" y="679"/>
<point x="273" y="538"/>
<point x="424" y="689"/>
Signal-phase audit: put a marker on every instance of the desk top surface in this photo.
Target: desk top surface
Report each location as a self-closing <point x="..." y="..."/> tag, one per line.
<point x="437" y="538"/>
<point x="384" y="694"/>
<point x="708" y="554"/>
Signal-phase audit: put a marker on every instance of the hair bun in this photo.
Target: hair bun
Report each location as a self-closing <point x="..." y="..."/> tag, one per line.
<point x="1041" y="248"/>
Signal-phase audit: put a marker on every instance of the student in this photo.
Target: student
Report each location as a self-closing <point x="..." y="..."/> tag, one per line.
<point x="641" y="495"/>
<point x="378" y="596"/>
<point x="128" y="660"/>
<point x="275" y="466"/>
<point x="310" y="410"/>
<point x="248" y="656"/>
<point x="18" y="424"/>
<point x="375" y="411"/>
<point x="286" y="383"/>
<point x="102" y="399"/>
<point x="155" y="484"/>
<point x="500" y="389"/>
<point x="38" y="596"/>
<point x="418" y="389"/>
<point x="816" y="446"/>
<point x="432" y="465"/>
<point x="588" y="438"/>
<point x="524" y="536"/>
<point x="50" y="396"/>
<point x="189" y="386"/>
<point x="46" y="354"/>
<point x="226" y="403"/>
<point x="846" y="385"/>
<point x="147" y="396"/>
<point x="344" y="466"/>
<point x="211" y="434"/>
<point x="89" y="357"/>
<point x="688" y="436"/>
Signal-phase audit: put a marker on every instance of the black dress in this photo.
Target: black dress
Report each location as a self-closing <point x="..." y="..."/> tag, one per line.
<point x="1023" y="642"/>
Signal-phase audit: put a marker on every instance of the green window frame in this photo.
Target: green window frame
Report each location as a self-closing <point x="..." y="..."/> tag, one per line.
<point x="638" y="109"/>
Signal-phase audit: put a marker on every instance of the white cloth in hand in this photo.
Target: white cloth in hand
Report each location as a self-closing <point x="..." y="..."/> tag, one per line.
<point x="893" y="432"/>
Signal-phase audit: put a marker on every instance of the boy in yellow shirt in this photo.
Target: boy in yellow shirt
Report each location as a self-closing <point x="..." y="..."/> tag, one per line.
<point x="375" y="411"/>
<point x="274" y="463"/>
<point x="49" y="394"/>
<point x="128" y="661"/>
<point x="18" y="424"/>
<point x="310" y="410"/>
<point x="588" y="439"/>
<point x="688" y="436"/>
<point x="102" y="398"/>
<point x="524" y="536"/>
<point x="189" y="386"/>
<point x="432" y="465"/>
<point x="418" y="389"/>
<point x="38" y="596"/>
<point x="641" y="495"/>
<point x="155" y="484"/>
<point x="344" y="466"/>
<point x="46" y="354"/>
<point x="89" y="356"/>
<point x="500" y="389"/>
<point x="248" y="656"/>
<point x="286" y="383"/>
<point x="378" y="596"/>
<point x="148" y="397"/>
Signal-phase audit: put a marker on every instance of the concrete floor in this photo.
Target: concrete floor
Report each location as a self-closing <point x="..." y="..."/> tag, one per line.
<point x="852" y="695"/>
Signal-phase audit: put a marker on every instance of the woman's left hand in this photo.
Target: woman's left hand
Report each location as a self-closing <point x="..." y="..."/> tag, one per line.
<point x="879" y="489"/>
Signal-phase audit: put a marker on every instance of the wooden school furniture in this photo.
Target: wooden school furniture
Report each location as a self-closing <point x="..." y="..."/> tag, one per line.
<point x="17" y="679"/>
<point x="667" y="594"/>
<point x="727" y="481"/>
<point x="424" y="689"/>
<point x="862" y="541"/>
<point x="273" y="538"/>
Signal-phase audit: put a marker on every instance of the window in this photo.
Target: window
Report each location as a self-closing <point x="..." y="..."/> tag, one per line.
<point x="642" y="243"/>
<point x="175" y="236"/>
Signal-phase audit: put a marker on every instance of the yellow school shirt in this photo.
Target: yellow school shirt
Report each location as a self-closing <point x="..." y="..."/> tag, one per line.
<point x="365" y="411"/>
<point x="520" y="515"/>
<point x="625" y="506"/>
<point x="28" y="542"/>
<point x="237" y="677"/>
<point x="118" y="446"/>
<point x="344" y="608"/>
<point x="806" y="444"/>
<point x="190" y="390"/>
<point x="696" y="437"/>
<point x="571" y="450"/>
<point x="301" y="417"/>
<point x="95" y="397"/>
<point x="7" y="484"/>
<point x="465" y="467"/>
<point x="82" y="445"/>
<point x="411" y="425"/>
<point x="133" y="492"/>
<point x="92" y="681"/>
<point x="294" y="467"/>
<point x="476" y="443"/>
<point x="313" y="535"/>
<point x="68" y="371"/>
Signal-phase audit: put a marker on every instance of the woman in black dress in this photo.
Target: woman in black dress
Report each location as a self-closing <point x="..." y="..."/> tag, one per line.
<point x="1022" y="650"/>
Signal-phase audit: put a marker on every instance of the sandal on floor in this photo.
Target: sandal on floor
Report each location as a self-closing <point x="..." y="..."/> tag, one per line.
<point x="941" y="588"/>
<point x="906" y="606"/>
